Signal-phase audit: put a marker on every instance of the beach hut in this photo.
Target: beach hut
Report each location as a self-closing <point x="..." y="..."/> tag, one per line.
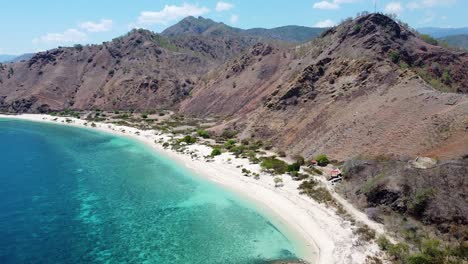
<point x="313" y="163"/>
<point x="335" y="173"/>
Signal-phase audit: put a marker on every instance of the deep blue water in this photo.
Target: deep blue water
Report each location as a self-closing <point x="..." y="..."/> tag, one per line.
<point x="71" y="195"/>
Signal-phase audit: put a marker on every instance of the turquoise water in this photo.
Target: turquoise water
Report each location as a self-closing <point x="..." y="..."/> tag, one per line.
<point x="71" y="195"/>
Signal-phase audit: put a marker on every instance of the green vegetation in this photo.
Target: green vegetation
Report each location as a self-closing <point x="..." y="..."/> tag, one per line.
<point x="278" y="182"/>
<point x="322" y="160"/>
<point x="215" y="152"/>
<point x="203" y="133"/>
<point x="69" y="112"/>
<point x="313" y="171"/>
<point x="319" y="194"/>
<point x="357" y="28"/>
<point x="281" y="154"/>
<point x="394" y="56"/>
<point x="293" y="167"/>
<point x="229" y="144"/>
<point x="428" y="251"/>
<point x="365" y="232"/>
<point x="429" y="39"/>
<point x="420" y="201"/>
<point x="299" y="160"/>
<point x="274" y="164"/>
<point x="78" y="47"/>
<point x="227" y="134"/>
<point x="188" y="140"/>
<point x="144" y="116"/>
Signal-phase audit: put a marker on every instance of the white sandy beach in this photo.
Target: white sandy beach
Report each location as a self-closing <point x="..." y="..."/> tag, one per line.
<point x="327" y="237"/>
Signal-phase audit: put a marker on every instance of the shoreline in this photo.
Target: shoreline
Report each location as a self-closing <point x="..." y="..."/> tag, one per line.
<point x="327" y="238"/>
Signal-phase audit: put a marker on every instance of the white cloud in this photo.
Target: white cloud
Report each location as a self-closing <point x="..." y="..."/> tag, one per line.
<point x="223" y="6"/>
<point x="325" y="23"/>
<point x="326" y="5"/>
<point x="332" y="4"/>
<point x="429" y="3"/>
<point x="69" y="35"/>
<point x="101" y="26"/>
<point x="394" y="8"/>
<point x="170" y="13"/>
<point x="234" y="19"/>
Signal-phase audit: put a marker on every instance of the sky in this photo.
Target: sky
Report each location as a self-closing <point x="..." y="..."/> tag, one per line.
<point x="32" y="25"/>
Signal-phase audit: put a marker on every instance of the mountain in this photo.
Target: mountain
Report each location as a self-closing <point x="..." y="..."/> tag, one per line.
<point x="15" y="58"/>
<point x="6" y="58"/>
<point x="367" y="87"/>
<point x="21" y="57"/>
<point x="443" y="32"/>
<point x="294" y="34"/>
<point x="141" y="70"/>
<point x="459" y="41"/>
<point x="206" y="27"/>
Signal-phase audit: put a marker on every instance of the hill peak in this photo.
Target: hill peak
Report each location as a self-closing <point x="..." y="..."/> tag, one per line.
<point x="192" y="26"/>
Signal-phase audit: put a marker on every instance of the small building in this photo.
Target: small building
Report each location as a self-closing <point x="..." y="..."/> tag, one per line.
<point x="335" y="173"/>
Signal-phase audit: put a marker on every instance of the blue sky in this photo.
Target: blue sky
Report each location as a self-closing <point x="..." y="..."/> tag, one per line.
<point x="31" y="25"/>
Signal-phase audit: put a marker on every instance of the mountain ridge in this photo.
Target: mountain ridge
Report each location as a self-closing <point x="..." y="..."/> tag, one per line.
<point x="203" y="26"/>
<point x="305" y="98"/>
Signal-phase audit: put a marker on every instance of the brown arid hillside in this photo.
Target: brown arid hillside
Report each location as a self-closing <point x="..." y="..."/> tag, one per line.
<point x="367" y="87"/>
<point x="141" y="70"/>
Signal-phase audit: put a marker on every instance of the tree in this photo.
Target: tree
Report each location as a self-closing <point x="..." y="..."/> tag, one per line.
<point x="215" y="152"/>
<point x="188" y="139"/>
<point x="299" y="160"/>
<point x="322" y="160"/>
<point x="278" y="182"/>
<point x="203" y="133"/>
<point x="294" y="167"/>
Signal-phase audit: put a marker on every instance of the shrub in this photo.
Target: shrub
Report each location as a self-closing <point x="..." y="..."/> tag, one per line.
<point x="429" y="39"/>
<point x="365" y="232"/>
<point x="322" y="160"/>
<point x="281" y="154"/>
<point x="357" y="28"/>
<point x="215" y="152"/>
<point x="398" y="251"/>
<point x="203" y="133"/>
<point x="272" y="163"/>
<point x="188" y="139"/>
<point x="230" y="143"/>
<point x="227" y="133"/>
<point x="294" y="167"/>
<point x="383" y="242"/>
<point x="278" y="182"/>
<point x="420" y="201"/>
<point x="144" y="116"/>
<point x="237" y="150"/>
<point x="299" y="160"/>
<point x="419" y="258"/>
<point x="394" y="56"/>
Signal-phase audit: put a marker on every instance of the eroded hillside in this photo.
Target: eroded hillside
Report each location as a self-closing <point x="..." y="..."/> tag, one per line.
<point x="366" y="87"/>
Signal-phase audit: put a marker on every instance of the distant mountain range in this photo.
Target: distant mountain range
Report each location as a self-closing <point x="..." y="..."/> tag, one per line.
<point x="207" y="27"/>
<point x="4" y="58"/>
<point x="443" y="32"/>
<point x="460" y="41"/>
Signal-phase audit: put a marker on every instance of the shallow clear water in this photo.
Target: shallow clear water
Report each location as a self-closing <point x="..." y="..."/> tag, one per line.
<point x="71" y="195"/>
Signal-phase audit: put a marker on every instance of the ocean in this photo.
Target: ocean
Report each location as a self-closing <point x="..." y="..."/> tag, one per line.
<point x="75" y="195"/>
